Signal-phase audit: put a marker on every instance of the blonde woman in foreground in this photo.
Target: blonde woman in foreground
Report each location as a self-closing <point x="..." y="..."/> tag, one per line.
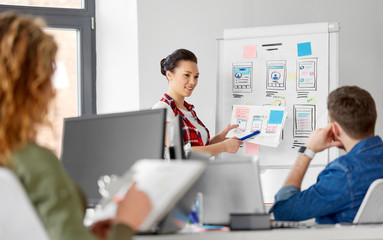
<point x="27" y="63"/>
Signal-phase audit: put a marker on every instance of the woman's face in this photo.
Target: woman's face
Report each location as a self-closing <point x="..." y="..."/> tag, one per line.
<point x="183" y="79"/>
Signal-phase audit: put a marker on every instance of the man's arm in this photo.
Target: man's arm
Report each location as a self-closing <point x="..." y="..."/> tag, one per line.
<point x="298" y="171"/>
<point x="328" y="195"/>
<point x="319" y="140"/>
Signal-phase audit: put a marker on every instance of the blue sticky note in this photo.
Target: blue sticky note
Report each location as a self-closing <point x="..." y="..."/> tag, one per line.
<point x="304" y="49"/>
<point x="276" y="117"/>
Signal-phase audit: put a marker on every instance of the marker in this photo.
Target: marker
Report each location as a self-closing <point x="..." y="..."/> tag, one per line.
<point x="250" y="135"/>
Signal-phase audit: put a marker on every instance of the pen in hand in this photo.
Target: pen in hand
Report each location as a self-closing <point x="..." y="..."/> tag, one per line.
<point x="250" y="135"/>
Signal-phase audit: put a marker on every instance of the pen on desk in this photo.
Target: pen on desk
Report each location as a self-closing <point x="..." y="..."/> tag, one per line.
<point x="250" y="135"/>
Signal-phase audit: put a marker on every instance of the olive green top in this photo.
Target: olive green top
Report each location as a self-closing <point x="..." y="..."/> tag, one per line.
<point x="57" y="199"/>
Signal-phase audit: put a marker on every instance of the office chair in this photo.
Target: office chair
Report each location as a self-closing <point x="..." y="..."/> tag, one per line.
<point x="18" y="218"/>
<point x="371" y="209"/>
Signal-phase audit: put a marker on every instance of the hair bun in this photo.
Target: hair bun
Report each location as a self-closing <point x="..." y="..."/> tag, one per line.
<point x="163" y="67"/>
<point x="171" y="62"/>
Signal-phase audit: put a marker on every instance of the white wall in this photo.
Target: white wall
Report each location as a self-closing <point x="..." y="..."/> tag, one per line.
<point x="165" y="25"/>
<point x="117" y="54"/>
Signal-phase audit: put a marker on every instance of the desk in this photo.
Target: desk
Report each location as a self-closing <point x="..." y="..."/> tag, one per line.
<point x="336" y="232"/>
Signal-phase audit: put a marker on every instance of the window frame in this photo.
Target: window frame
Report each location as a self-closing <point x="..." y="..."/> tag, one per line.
<point x="83" y="20"/>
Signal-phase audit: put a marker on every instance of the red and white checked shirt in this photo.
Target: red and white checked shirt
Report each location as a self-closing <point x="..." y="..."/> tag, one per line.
<point x="190" y="132"/>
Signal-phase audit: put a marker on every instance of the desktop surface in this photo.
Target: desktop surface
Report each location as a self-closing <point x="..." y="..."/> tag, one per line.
<point x="334" y="232"/>
<point x="109" y="144"/>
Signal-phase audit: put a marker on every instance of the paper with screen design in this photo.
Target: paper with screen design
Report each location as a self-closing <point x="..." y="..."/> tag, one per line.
<point x="267" y="119"/>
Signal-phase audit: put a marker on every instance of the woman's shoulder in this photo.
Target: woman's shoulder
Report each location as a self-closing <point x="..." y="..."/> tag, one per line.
<point x="161" y="104"/>
<point x="170" y="115"/>
<point x="35" y="150"/>
<point x="34" y="156"/>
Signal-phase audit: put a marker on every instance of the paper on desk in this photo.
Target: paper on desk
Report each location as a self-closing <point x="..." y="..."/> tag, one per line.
<point x="269" y="120"/>
<point x="164" y="183"/>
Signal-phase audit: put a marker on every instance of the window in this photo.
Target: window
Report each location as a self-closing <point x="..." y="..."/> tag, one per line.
<point x="71" y="23"/>
<point x="46" y="3"/>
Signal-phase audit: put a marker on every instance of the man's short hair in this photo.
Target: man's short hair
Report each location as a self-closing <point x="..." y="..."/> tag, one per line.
<point x="354" y="109"/>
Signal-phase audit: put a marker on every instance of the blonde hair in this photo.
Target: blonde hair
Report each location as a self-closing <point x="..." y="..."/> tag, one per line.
<point x="27" y="63"/>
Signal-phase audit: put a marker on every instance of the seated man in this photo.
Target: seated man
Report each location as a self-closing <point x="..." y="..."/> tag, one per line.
<point x="342" y="185"/>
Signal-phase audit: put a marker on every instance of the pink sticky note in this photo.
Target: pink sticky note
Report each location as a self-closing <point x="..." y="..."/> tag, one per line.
<point x="251" y="148"/>
<point x="242" y="113"/>
<point x="250" y="51"/>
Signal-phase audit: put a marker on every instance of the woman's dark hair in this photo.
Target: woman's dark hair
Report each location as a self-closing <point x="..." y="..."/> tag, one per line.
<point x="171" y="61"/>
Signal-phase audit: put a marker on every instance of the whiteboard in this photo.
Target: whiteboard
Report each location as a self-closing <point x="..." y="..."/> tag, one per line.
<point x="297" y="64"/>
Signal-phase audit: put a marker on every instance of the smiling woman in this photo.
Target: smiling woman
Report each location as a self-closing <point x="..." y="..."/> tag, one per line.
<point x="181" y="71"/>
<point x="183" y="80"/>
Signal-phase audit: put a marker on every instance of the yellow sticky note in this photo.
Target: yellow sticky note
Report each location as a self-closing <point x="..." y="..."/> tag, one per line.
<point x="312" y="100"/>
<point x="278" y="100"/>
<point x="291" y="76"/>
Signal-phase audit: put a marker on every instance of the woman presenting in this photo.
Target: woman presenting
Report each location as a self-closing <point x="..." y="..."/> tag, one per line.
<point x="181" y="71"/>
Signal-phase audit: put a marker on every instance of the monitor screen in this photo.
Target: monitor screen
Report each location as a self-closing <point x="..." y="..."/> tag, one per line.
<point x="94" y="146"/>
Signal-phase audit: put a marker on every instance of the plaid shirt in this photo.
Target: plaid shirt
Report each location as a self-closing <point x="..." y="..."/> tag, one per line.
<point x="190" y="132"/>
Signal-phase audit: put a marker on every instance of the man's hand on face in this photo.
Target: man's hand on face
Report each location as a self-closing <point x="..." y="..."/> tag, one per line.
<point x="322" y="138"/>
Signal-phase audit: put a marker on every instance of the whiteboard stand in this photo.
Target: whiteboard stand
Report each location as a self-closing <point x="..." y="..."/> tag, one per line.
<point x="324" y="44"/>
<point x="334" y="71"/>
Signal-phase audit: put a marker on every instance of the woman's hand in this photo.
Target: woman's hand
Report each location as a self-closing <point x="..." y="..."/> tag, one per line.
<point x="222" y="135"/>
<point x="231" y="145"/>
<point x="102" y="228"/>
<point x="228" y="128"/>
<point x="134" y="208"/>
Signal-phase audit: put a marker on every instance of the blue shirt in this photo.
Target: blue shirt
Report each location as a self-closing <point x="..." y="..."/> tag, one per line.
<point x="339" y="190"/>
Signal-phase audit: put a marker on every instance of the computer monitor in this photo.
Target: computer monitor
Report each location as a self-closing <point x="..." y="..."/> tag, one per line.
<point x="176" y="143"/>
<point x="229" y="186"/>
<point x="109" y="144"/>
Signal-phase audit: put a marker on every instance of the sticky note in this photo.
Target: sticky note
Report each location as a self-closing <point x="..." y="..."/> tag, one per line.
<point x="304" y="49"/>
<point x="276" y="116"/>
<point x="251" y="148"/>
<point x="250" y="51"/>
<point x="312" y="100"/>
<point x="242" y="113"/>
<point x="278" y="100"/>
<point x="291" y="76"/>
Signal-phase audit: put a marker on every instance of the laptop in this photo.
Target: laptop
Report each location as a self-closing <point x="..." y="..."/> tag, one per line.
<point x="229" y="186"/>
<point x="233" y="186"/>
